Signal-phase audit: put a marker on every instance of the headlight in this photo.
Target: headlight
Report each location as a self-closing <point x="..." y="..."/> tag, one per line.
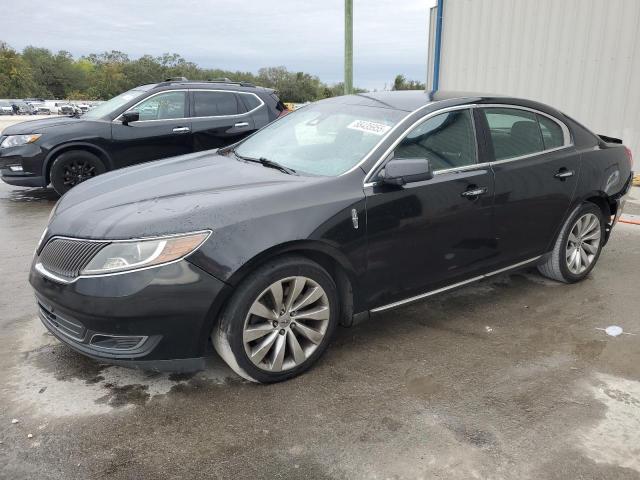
<point x="137" y="254"/>
<point x="17" y="140"/>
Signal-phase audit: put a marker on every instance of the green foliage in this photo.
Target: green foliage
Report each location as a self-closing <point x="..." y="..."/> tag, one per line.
<point x="38" y="72"/>
<point x="401" y="83"/>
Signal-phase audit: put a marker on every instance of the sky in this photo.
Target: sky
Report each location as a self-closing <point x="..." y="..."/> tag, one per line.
<point x="390" y="37"/>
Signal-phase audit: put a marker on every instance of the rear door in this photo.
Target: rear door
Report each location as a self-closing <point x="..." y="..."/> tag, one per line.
<point x="536" y="171"/>
<point x="164" y="130"/>
<point x="219" y="118"/>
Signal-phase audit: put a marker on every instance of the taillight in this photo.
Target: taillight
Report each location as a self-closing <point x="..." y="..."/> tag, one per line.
<point x="284" y="112"/>
<point x="629" y="157"/>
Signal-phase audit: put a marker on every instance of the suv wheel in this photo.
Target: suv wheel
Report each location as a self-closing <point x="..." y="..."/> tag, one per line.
<point x="577" y="247"/>
<point x="279" y="321"/>
<point x="74" y="167"/>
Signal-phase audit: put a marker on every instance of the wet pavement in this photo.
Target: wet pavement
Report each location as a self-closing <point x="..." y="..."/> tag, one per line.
<point x="510" y="378"/>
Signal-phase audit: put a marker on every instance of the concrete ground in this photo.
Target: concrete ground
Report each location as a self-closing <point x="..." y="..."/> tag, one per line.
<point x="512" y="378"/>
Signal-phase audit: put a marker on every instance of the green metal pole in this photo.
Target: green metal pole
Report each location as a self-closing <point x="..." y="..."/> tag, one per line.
<point x="348" y="47"/>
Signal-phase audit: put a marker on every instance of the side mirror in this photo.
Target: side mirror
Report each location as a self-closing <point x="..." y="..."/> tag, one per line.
<point x="128" y="117"/>
<point x="400" y="171"/>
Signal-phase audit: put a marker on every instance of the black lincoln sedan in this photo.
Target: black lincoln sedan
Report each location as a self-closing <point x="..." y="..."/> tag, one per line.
<point x="149" y="122"/>
<point x="350" y="205"/>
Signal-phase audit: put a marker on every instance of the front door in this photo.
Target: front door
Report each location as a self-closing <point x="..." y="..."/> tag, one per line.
<point x="536" y="171"/>
<point x="164" y="130"/>
<point x="433" y="233"/>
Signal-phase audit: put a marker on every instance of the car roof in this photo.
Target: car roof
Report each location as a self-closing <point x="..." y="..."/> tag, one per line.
<point x="207" y="84"/>
<point x="412" y="100"/>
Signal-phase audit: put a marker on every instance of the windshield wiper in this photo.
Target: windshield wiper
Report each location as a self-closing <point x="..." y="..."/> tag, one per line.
<point x="267" y="163"/>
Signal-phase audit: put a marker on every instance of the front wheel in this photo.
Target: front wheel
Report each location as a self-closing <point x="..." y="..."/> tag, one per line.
<point x="74" y="167"/>
<point x="279" y="321"/>
<point x="577" y="247"/>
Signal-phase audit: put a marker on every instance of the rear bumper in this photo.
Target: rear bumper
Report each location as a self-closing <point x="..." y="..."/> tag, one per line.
<point x="163" y="315"/>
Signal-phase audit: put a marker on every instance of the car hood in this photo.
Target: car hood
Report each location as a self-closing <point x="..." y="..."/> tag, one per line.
<point x="181" y="194"/>
<point x="38" y="126"/>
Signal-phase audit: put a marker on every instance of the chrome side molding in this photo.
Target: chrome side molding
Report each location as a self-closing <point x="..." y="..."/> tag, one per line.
<point x="455" y="285"/>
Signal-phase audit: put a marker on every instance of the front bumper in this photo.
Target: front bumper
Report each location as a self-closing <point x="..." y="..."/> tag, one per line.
<point x="163" y="315"/>
<point x="30" y="157"/>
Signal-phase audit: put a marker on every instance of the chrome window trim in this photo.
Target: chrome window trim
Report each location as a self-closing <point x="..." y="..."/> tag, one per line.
<point x="568" y="142"/>
<point x="386" y="153"/>
<point x="41" y="269"/>
<point x="231" y="91"/>
<point x="454" y="285"/>
<point x="262" y="104"/>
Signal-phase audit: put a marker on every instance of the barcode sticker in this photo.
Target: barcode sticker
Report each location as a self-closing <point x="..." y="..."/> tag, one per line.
<point x="369" y="127"/>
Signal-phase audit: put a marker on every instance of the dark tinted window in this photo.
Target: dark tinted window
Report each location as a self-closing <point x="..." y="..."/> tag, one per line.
<point x="513" y="132"/>
<point x="447" y="140"/>
<point x="212" y="104"/>
<point x="250" y="101"/>
<point x="552" y="134"/>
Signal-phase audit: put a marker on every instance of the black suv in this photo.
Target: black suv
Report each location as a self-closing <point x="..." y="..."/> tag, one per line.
<point x="153" y="121"/>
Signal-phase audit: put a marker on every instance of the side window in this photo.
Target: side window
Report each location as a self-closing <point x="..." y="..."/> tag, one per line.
<point x="214" y="104"/>
<point x="513" y="132"/>
<point x="447" y="140"/>
<point x="163" y="106"/>
<point x="552" y="134"/>
<point x="250" y="101"/>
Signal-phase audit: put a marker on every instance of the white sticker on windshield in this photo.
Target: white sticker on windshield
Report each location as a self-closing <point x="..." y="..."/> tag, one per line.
<point x="369" y="127"/>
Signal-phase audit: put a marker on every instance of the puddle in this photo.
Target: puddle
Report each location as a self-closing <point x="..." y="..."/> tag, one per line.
<point x="53" y="380"/>
<point x="616" y="439"/>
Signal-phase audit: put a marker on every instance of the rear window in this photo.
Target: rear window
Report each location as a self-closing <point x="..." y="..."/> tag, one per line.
<point x="514" y="132"/>
<point x="214" y="104"/>
<point x="250" y="101"/>
<point x="552" y="134"/>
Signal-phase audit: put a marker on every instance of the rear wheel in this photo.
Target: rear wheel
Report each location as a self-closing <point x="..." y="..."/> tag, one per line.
<point x="74" y="167"/>
<point x="578" y="246"/>
<point x="279" y="321"/>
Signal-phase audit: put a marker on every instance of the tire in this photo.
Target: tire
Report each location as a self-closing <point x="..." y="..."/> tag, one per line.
<point x="583" y="234"/>
<point x="74" y="167"/>
<point x="275" y="355"/>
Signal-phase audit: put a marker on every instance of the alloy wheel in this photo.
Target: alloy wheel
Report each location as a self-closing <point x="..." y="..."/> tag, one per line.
<point x="78" y="171"/>
<point x="286" y="323"/>
<point x="583" y="243"/>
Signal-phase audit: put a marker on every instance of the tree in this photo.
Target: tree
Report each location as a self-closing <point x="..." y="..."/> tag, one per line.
<point x="401" y="83"/>
<point x="38" y="72"/>
<point x="16" y="80"/>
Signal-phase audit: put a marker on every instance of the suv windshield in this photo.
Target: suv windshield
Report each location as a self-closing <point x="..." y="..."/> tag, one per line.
<point x="116" y="102"/>
<point x="322" y="138"/>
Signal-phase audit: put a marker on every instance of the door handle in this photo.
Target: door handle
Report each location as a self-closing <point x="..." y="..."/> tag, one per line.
<point x="564" y="173"/>
<point x="474" y="192"/>
<point x="181" y="129"/>
<point x="241" y="124"/>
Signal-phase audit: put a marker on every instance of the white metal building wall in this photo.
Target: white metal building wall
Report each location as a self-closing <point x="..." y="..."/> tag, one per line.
<point x="580" y="56"/>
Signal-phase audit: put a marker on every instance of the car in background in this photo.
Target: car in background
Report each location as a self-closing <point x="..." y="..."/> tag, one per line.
<point x="149" y="122"/>
<point x="66" y="109"/>
<point x="22" y="107"/>
<point x="84" y="107"/>
<point x="41" y="108"/>
<point x="351" y="205"/>
<point x="6" y="108"/>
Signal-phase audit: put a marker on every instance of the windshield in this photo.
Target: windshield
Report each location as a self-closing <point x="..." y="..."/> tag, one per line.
<point x="111" y="105"/>
<point x="5" y="104"/>
<point x="322" y="138"/>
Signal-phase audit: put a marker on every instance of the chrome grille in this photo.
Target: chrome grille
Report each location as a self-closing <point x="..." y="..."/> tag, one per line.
<point x="67" y="257"/>
<point x="69" y="328"/>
